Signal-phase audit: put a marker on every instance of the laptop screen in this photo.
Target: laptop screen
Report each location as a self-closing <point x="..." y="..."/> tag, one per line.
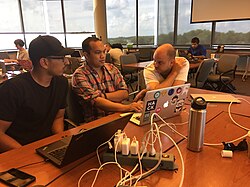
<point x="76" y="53"/>
<point x="83" y="143"/>
<point x="167" y="102"/>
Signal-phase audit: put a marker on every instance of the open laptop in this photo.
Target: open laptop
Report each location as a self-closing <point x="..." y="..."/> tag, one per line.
<point x="217" y="98"/>
<point x="69" y="149"/>
<point x="76" y="54"/>
<point x="182" y="53"/>
<point x="4" y="55"/>
<point x="167" y="102"/>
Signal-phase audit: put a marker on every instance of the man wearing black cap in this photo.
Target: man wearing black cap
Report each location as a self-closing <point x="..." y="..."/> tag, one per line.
<point x="33" y="103"/>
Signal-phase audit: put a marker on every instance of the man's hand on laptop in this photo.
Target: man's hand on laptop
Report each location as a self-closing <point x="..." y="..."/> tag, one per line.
<point x="140" y="95"/>
<point x="136" y="106"/>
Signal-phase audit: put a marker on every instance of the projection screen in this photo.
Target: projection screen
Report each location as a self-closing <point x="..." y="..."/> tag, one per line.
<point x="219" y="10"/>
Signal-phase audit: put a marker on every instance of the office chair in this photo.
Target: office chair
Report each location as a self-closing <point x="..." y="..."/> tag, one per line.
<point x="73" y="112"/>
<point x="225" y="73"/>
<point x="25" y="64"/>
<point x="117" y="45"/>
<point x="145" y="54"/>
<point x="74" y="63"/>
<point x="108" y="58"/>
<point x="202" y="73"/>
<point x="128" y="73"/>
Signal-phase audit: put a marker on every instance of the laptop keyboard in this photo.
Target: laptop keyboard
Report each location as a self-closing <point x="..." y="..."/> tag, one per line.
<point x="58" y="153"/>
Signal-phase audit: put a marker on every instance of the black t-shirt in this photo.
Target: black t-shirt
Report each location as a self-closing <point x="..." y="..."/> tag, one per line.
<point x="31" y="107"/>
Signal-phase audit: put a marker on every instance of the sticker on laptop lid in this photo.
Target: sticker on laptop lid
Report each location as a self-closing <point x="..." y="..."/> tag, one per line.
<point x="174" y="99"/>
<point x="185" y="90"/>
<point x="151" y="105"/>
<point x="178" y="90"/>
<point x="158" y="110"/>
<point x="179" y="105"/>
<point x="146" y="116"/>
<point x="171" y="92"/>
<point x="164" y="92"/>
<point x="157" y="95"/>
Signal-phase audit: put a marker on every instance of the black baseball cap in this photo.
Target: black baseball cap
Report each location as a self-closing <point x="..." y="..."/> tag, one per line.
<point x="44" y="46"/>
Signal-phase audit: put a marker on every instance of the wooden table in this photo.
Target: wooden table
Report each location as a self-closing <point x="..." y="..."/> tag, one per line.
<point x="206" y="168"/>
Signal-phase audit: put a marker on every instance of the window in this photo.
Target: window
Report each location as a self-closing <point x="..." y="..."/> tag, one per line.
<point x="146" y="22"/>
<point x="79" y="21"/>
<point x="232" y="32"/>
<point x="40" y="16"/>
<point x="166" y="22"/>
<point x="186" y="31"/>
<point x="121" y="21"/>
<point x="10" y="23"/>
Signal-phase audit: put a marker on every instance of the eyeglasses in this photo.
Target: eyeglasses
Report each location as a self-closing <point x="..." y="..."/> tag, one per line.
<point x="58" y="57"/>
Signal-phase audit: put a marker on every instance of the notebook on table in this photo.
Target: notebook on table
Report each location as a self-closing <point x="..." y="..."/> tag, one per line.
<point x="71" y="148"/>
<point x="217" y="98"/>
<point x="167" y="102"/>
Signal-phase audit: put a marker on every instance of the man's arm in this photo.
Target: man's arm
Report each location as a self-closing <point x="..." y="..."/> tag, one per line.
<point x="58" y="124"/>
<point x="117" y="96"/>
<point x="170" y="80"/>
<point x="110" y="106"/>
<point x="6" y="142"/>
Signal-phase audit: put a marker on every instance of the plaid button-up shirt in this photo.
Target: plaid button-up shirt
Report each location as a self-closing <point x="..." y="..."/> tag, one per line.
<point x="87" y="85"/>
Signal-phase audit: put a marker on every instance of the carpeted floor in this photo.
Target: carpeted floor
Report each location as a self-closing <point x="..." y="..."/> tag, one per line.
<point x="242" y="87"/>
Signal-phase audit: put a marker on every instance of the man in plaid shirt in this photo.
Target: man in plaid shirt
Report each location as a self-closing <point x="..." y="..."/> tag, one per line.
<point x="99" y="85"/>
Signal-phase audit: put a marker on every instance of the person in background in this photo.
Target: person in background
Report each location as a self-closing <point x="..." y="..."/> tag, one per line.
<point x="115" y="54"/>
<point x="22" y="57"/>
<point x="99" y="85"/>
<point x="196" y="50"/>
<point x="166" y="70"/>
<point x="33" y="103"/>
<point x="22" y="53"/>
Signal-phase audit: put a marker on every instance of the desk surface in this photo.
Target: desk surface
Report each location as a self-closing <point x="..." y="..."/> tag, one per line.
<point x="206" y="168"/>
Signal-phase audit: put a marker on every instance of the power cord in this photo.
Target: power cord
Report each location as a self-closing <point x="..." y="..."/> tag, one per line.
<point x="153" y="134"/>
<point x="229" y="113"/>
<point x="30" y="164"/>
<point x="160" y="154"/>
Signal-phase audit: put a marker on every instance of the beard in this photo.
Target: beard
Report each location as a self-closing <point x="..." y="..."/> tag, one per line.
<point x="166" y="73"/>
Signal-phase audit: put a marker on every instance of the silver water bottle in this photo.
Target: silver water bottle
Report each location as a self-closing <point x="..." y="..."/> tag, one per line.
<point x="196" y="126"/>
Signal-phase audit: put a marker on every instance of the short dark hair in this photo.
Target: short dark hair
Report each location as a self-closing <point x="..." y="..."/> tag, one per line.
<point x="85" y="44"/>
<point x="195" y="40"/>
<point x="108" y="44"/>
<point x="19" y="42"/>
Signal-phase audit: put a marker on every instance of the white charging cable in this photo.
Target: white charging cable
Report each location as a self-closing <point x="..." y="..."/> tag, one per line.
<point x="229" y="113"/>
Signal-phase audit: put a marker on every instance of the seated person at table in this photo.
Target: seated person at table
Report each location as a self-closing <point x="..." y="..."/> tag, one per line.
<point x="115" y="54"/>
<point x="22" y="57"/>
<point x="33" y="103"/>
<point x="99" y="85"/>
<point x="196" y="50"/>
<point x="166" y="70"/>
<point x="22" y="53"/>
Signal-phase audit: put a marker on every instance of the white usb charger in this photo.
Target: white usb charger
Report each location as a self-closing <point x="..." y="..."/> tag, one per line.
<point x="134" y="147"/>
<point x="118" y="140"/>
<point x="125" y="145"/>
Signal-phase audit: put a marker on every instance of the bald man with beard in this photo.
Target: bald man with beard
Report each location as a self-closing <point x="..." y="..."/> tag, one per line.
<point x="165" y="71"/>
